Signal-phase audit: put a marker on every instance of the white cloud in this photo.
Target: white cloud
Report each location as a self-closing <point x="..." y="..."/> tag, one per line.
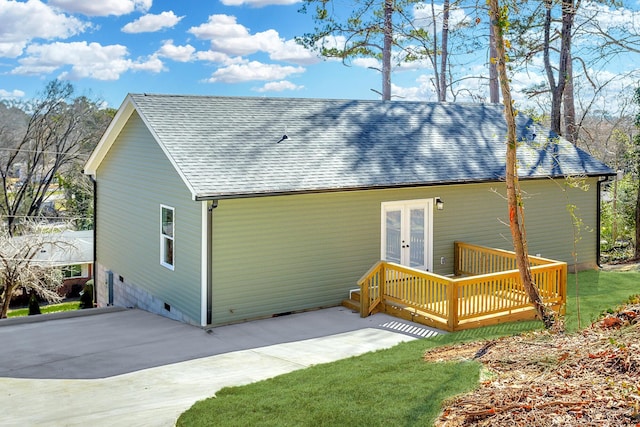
<point x="522" y="80"/>
<point x="397" y="63"/>
<point x="12" y="50"/>
<point x="467" y="90"/>
<point x="151" y="23"/>
<point x="229" y="37"/>
<point x="332" y="42"/>
<point x="176" y="53"/>
<point x="11" y="94"/>
<point x="279" y="86"/>
<point x="608" y="18"/>
<point x="423" y="16"/>
<point x="23" y="22"/>
<point x="153" y="64"/>
<point x="217" y="57"/>
<point x="423" y="91"/>
<point x="102" y="7"/>
<point x="224" y="26"/>
<point x="367" y="63"/>
<point x="254" y="70"/>
<point x="340" y="42"/>
<point x="265" y="41"/>
<point x="258" y="3"/>
<point x="87" y="60"/>
<point x="290" y="51"/>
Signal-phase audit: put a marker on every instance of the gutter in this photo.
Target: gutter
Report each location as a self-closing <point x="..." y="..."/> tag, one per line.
<point x="211" y="206"/>
<point x="229" y="196"/>
<point x="95" y="234"/>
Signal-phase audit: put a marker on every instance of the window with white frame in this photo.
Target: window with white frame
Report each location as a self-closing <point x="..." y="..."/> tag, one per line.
<point x="71" y="271"/>
<point x="167" y="227"/>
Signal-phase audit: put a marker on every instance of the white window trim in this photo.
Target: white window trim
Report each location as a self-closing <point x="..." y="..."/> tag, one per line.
<point x="428" y="205"/>
<point x="164" y="236"/>
<point x="68" y="268"/>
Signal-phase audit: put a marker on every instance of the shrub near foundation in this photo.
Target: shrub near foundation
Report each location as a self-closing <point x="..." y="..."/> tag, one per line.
<point x="34" y="305"/>
<point x="86" y="296"/>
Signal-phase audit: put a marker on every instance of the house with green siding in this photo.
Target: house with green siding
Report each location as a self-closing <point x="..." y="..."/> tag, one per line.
<point x="212" y="210"/>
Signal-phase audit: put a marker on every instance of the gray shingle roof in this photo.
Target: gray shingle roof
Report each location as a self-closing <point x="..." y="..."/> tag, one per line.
<point x="60" y="249"/>
<point x="232" y="146"/>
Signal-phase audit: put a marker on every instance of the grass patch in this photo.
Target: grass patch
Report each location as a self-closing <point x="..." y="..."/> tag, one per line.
<point x="46" y="309"/>
<point x="325" y="395"/>
<point x="598" y="291"/>
<point x="387" y="387"/>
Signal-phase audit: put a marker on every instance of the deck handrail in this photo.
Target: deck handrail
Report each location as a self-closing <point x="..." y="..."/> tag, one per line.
<point x="447" y="302"/>
<point x="470" y="259"/>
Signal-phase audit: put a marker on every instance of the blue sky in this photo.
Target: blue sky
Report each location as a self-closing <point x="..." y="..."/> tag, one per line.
<point x="108" y="48"/>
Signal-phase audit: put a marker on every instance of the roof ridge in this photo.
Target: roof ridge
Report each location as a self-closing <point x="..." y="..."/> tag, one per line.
<point x="310" y="99"/>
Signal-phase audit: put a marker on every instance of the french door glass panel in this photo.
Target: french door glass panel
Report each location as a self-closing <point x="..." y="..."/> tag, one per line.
<point x="416" y="238"/>
<point x="406" y="234"/>
<point x="393" y="249"/>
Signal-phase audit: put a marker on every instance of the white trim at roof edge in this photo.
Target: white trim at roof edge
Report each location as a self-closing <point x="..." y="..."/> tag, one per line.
<point x="109" y="137"/>
<point x="115" y="127"/>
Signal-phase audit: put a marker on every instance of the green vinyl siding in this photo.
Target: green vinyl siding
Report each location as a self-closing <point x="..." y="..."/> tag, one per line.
<point x="134" y="179"/>
<point x="280" y="254"/>
<point x="477" y="213"/>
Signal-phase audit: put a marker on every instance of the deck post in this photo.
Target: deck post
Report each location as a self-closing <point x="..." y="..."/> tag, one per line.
<point x="365" y="287"/>
<point x="452" y="296"/>
<point x="456" y="258"/>
<point x="563" y="289"/>
<point x="382" y="286"/>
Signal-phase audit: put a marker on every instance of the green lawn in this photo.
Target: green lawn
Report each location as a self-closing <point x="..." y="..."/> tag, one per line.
<point x="598" y="291"/>
<point x="387" y="387"/>
<point x="45" y="309"/>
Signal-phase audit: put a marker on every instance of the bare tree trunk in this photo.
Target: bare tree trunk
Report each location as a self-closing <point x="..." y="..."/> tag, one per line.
<point x="434" y="61"/>
<point x="635" y="155"/>
<point x="614" y="213"/>
<point x="5" y="305"/>
<point x="386" y="51"/>
<point x="636" y="254"/>
<point x="514" y="196"/>
<point x="494" y="84"/>
<point x="557" y="89"/>
<point x="555" y="99"/>
<point x="444" y="52"/>
<point x="571" y="130"/>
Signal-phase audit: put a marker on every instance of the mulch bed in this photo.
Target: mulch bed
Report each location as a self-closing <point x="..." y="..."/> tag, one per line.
<point x="590" y="378"/>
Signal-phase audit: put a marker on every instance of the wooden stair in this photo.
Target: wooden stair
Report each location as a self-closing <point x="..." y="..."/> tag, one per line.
<point x="353" y="302"/>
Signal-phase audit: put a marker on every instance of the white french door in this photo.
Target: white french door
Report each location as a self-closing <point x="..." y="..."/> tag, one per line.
<point x="407" y="233"/>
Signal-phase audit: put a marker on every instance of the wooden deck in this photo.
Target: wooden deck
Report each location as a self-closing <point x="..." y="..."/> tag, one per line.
<point x="485" y="290"/>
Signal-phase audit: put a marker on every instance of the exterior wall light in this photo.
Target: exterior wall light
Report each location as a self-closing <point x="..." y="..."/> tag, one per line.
<point x="439" y="204"/>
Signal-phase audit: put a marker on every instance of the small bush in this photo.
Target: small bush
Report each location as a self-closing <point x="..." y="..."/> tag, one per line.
<point x="86" y="296"/>
<point x="34" y="305"/>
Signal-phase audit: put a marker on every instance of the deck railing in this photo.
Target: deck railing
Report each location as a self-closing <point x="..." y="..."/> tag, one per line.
<point x="486" y="289"/>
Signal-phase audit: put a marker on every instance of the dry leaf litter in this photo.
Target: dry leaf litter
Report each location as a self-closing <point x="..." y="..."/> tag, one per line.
<point x="590" y="378"/>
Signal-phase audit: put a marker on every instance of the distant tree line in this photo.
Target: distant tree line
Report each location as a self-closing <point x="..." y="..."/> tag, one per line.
<point x="44" y="144"/>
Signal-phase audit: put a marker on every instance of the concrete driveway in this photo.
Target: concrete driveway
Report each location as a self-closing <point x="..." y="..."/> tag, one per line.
<point x="134" y="368"/>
